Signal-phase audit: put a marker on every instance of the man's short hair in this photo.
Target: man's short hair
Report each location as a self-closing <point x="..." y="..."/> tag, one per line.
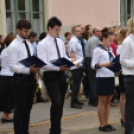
<point x="23" y="23"/>
<point x="52" y="22"/>
<point x="33" y="34"/>
<point x="74" y="28"/>
<point x="94" y="30"/>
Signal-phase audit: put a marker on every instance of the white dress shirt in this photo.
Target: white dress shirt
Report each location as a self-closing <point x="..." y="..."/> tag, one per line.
<point x="127" y="55"/>
<point x="17" y="52"/>
<point x="75" y="45"/>
<point x="101" y="56"/>
<point x="47" y="51"/>
<point x="5" y="71"/>
<point x="118" y="50"/>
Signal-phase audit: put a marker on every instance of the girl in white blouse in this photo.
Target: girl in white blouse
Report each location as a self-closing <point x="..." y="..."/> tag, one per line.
<point x="6" y="91"/>
<point x="102" y="57"/>
<point x="122" y="35"/>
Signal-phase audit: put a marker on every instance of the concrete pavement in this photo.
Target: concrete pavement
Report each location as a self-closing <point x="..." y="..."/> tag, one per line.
<point x="74" y="120"/>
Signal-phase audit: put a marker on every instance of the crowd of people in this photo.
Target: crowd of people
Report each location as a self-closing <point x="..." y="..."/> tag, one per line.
<point x="97" y="47"/>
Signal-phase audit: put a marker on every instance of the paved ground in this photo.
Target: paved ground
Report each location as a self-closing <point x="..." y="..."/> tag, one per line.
<point x="74" y="121"/>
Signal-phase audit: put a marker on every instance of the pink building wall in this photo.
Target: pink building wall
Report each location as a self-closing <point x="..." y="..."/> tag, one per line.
<point x="95" y="12"/>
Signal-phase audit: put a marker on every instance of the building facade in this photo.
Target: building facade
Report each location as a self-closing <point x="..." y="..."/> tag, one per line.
<point x="104" y="13"/>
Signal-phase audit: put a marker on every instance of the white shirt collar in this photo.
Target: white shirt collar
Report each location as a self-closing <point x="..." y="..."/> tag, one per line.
<point x="50" y="37"/>
<point x="131" y="35"/>
<point x="76" y="39"/>
<point x="19" y="38"/>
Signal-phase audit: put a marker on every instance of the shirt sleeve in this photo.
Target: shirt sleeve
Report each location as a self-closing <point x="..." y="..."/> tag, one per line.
<point x="72" y="46"/>
<point x="13" y="62"/>
<point x="64" y="54"/>
<point x="95" y="59"/>
<point x="125" y="53"/>
<point x="42" y="54"/>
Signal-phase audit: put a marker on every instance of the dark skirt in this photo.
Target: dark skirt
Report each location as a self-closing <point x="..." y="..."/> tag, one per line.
<point x="105" y="86"/>
<point x="121" y="83"/>
<point x="6" y="94"/>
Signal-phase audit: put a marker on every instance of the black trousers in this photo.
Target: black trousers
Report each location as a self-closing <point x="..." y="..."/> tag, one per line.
<point x="129" y="107"/>
<point x="91" y="76"/>
<point x="77" y="77"/>
<point x="56" y="86"/>
<point x="24" y="87"/>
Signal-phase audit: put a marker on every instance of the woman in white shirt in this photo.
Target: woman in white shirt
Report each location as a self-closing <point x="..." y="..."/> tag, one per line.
<point x="122" y="35"/>
<point x="102" y="58"/>
<point x="6" y="92"/>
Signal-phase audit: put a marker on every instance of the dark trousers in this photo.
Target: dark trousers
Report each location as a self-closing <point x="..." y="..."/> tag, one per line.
<point x="23" y="88"/>
<point x="56" y="86"/>
<point x="129" y="107"/>
<point x="77" y="77"/>
<point x="91" y="76"/>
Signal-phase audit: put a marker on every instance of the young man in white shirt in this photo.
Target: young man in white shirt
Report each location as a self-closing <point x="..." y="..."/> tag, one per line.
<point x="51" y="48"/>
<point x="24" y="84"/>
<point x="127" y="63"/>
<point x="75" y="51"/>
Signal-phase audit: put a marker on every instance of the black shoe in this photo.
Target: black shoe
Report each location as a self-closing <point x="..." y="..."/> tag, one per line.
<point x="3" y="120"/>
<point x="122" y="123"/>
<point x="80" y="103"/>
<point x="111" y="127"/>
<point x="41" y="100"/>
<point x="95" y="103"/>
<point x="75" y="105"/>
<point x="128" y="133"/>
<point x="105" y="129"/>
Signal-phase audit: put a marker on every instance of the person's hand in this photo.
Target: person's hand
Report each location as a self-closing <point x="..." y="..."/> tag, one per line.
<point x="34" y="69"/>
<point x="109" y="64"/>
<point x="78" y="65"/>
<point x="64" y="68"/>
<point x="73" y="59"/>
<point x="117" y="73"/>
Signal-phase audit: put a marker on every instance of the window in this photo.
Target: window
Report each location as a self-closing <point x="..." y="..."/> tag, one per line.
<point x="32" y="10"/>
<point x="126" y="10"/>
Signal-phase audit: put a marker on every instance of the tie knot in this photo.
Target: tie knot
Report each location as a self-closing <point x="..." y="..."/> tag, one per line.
<point x="24" y="41"/>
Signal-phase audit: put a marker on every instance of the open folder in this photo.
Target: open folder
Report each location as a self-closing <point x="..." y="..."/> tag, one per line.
<point x="28" y="62"/>
<point x="117" y="65"/>
<point x="39" y="63"/>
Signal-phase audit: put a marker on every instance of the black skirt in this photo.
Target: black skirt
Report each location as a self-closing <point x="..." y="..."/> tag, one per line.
<point x="6" y="94"/>
<point x="105" y="86"/>
<point x="121" y="83"/>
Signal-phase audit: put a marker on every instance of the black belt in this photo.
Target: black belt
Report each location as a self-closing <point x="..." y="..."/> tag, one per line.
<point x="24" y="75"/>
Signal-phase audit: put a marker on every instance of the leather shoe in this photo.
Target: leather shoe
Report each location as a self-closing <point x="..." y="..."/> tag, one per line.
<point x="95" y="103"/>
<point x="105" y="129"/>
<point x="111" y="127"/>
<point x="3" y="120"/>
<point x="128" y="133"/>
<point x="122" y="123"/>
<point x="75" y="105"/>
<point x="80" y="103"/>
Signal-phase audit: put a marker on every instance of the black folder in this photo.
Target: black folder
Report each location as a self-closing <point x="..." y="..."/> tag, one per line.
<point x="117" y="65"/>
<point x="28" y="62"/>
<point x="62" y="61"/>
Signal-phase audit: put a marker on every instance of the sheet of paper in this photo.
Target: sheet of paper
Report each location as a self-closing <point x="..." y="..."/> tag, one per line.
<point x="78" y="61"/>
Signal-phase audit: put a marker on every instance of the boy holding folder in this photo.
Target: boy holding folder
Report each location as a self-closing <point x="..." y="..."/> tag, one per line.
<point x="49" y="49"/>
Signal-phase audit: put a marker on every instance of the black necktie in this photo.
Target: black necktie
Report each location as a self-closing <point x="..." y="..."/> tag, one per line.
<point x="58" y="52"/>
<point x="27" y="48"/>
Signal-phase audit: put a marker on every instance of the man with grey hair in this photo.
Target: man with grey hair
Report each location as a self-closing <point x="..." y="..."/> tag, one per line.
<point x="127" y="63"/>
<point x="92" y="43"/>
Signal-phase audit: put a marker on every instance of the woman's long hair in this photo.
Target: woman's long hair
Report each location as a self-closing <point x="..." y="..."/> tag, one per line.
<point x="122" y="34"/>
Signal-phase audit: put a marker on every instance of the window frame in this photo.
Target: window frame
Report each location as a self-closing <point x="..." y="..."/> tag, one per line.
<point x="15" y="12"/>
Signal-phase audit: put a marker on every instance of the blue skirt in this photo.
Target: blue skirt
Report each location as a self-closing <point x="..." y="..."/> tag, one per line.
<point x="105" y="86"/>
